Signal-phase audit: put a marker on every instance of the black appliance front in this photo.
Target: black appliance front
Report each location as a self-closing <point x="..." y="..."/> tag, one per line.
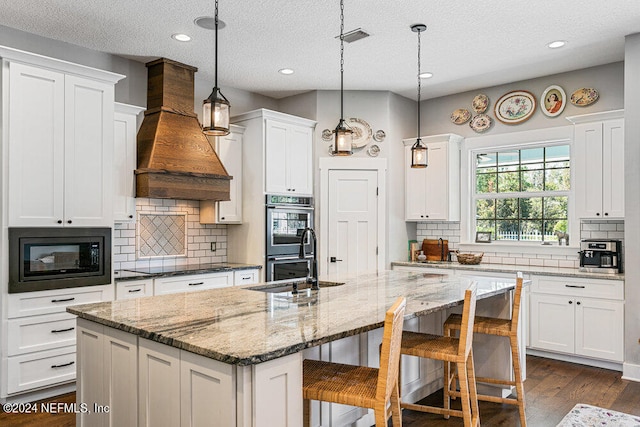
<point x="286" y="219"/>
<point x="287" y="268"/>
<point x="56" y="258"/>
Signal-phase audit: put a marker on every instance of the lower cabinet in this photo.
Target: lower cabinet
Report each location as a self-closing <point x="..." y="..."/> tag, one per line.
<point x="578" y="317"/>
<point x="196" y="282"/>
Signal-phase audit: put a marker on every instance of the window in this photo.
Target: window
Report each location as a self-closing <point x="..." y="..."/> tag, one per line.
<point x="522" y="194"/>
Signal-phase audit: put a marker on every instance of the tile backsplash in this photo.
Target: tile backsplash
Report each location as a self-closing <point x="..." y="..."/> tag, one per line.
<point x="168" y="232"/>
<point x="589" y="229"/>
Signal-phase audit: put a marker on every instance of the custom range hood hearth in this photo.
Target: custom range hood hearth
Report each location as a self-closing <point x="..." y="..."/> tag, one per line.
<point x="175" y="159"/>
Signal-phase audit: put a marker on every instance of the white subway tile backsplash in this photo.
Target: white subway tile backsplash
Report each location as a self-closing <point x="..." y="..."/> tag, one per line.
<point x="551" y="263"/>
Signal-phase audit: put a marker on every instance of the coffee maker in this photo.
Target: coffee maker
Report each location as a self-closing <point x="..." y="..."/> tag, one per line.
<point x="600" y="255"/>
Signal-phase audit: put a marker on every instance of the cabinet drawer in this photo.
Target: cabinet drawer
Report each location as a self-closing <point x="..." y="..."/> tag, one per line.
<point x="55" y="301"/>
<point x="134" y="289"/>
<point x="37" y="333"/>
<point x="245" y="277"/>
<point x="41" y="369"/>
<point x="196" y="282"/>
<point x="597" y="288"/>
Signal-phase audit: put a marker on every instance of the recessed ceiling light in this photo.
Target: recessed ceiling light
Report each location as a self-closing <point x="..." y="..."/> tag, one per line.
<point x="286" y="71"/>
<point x="426" y="75"/>
<point x="181" y="37"/>
<point x="556" y="44"/>
<point x="208" y="23"/>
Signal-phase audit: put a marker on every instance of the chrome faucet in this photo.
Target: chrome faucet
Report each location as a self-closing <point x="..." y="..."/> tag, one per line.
<point x="312" y="276"/>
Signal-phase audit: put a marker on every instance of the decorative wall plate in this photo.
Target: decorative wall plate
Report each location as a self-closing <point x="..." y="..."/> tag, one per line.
<point x="480" y="103"/>
<point x="373" y="151"/>
<point x="460" y="116"/>
<point x="584" y="96"/>
<point x="327" y="134"/>
<point x="362" y="132"/>
<point x="480" y="123"/>
<point x="379" y="136"/>
<point x="553" y="101"/>
<point x="515" y="107"/>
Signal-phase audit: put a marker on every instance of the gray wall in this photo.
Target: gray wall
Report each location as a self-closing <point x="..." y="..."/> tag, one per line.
<point x="607" y="79"/>
<point x="632" y="206"/>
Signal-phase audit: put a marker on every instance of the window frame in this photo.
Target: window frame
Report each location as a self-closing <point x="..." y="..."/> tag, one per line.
<point x="562" y="135"/>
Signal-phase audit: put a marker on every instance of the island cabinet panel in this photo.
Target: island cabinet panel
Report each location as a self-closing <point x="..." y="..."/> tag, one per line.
<point x="89" y="384"/>
<point x="158" y="384"/>
<point x="277" y="392"/>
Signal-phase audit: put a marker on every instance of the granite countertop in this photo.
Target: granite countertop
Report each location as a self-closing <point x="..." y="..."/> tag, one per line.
<point x="511" y="268"/>
<point x="178" y="270"/>
<point x="237" y="325"/>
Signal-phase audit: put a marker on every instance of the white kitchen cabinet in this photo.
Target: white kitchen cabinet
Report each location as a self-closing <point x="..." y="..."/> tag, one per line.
<point x="288" y="150"/>
<point x="277" y="387"/>
<point x="598" y="164"/>
<point x="433" y="193"/>
<point x="246" y="277"/>
<point x="229" y="150"/>
<point x="578" y="317"/>
<point x="134" y="289"/>
<point x="60" y="147"/>
<point x="158" y="384"/>
<point x="124" y="161"/>
<point x="196" y="282"/>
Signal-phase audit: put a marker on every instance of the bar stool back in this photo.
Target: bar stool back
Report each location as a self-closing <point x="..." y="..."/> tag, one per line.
<point x="498" y="327"/>
<point x="450" y="350"/>
<point x="360" y="385"/>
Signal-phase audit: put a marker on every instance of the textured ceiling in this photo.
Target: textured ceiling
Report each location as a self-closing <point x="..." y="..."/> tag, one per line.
<point x="467" y="44"/>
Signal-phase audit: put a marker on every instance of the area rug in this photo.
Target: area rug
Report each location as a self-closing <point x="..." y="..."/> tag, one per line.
<point x="592" y="416"/>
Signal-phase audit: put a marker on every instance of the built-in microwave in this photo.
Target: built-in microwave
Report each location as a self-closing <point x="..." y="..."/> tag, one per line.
<point x="55" y="258"/>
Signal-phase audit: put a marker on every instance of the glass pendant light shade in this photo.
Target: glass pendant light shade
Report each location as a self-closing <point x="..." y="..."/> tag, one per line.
<point x="215" y="109"/>
<point x="419" y="155"/>
<point x="215" y="114"/>
<point x="343" y="139"/>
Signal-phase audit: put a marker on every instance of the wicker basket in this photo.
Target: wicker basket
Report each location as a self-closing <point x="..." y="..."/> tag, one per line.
<point x="469" y="258"/>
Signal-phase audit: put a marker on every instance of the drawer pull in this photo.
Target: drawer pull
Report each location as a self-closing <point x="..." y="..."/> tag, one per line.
<point x="63" y="365"/>
<point x="63" y="300"/>
<point x="196" y="284"/>
<point x="134" y="290"/>
<point x="56" y="331"/>
<point x="575" y="286"/>
<point x="246" y="277"/>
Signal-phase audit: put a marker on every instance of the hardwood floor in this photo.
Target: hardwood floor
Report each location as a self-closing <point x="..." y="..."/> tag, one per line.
<point x="552" y="388"/>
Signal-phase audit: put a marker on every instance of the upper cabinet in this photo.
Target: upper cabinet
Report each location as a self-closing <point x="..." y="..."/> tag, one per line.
<point x="433" y="193"/>
<point x="124" y="161"/>
<point x="598" y="162"/>
<point x="229" y="150"/>
<point x="288" y="150"/>
<point x="59" y="141"/>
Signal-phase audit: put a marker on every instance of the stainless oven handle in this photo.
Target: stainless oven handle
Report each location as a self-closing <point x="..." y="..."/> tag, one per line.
<point x="287" y="258"/>
<point x="291" y="207"/>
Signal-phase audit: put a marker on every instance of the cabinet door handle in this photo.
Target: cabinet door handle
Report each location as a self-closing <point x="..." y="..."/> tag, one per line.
<point x="56" y="331"/>
<point x="63" y="300"/>
<point x="130" y="216"/>
<point x="196" y="283"/>
<point x="134" y="290"/>
<point x="63" y="365"/>
<point x="578" y="303"/>
<point x="575" y="286"/>
<point x="570" y="302"/>
<point x="69" y="221"/>
<point x="597" y="213"/>
<point x="606" y="214"/>
<point x="59" y="221"/>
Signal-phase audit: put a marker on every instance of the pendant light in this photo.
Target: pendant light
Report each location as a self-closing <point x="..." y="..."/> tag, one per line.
<point x="343" y="134"/>
<point x="419" y="157"/>
<point x="215" y="109"/>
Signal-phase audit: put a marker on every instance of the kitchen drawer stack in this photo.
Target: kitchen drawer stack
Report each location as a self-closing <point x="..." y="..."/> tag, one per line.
<point x="42" y="336"/>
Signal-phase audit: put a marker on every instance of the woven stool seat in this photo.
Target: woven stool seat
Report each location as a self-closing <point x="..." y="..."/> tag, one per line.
<point x="498" y="327"/>
<point x="430" y="346"/>
<point x="374" y="388"/>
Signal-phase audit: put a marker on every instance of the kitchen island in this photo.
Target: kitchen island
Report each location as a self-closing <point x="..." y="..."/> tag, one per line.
<point x="233" y="356"/>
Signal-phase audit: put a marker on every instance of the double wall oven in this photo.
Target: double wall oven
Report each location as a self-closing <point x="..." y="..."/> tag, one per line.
<point x="286" y="219"/>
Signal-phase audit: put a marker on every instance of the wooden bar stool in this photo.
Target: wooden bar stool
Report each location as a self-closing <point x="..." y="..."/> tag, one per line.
<point x="493" y="326"/>
<point x="450" y="350"/>
<point x="360" y="385"/>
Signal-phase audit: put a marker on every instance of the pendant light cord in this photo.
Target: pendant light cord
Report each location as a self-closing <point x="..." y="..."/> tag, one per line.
<point x="341" y="60"/>
<point x="216" y="45"/>
<point x="419" y="83"/>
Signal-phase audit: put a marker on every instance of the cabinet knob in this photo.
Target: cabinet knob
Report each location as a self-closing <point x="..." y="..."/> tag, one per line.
<point x="578" y="303"/>
<point x="293" y="189"/>
<point x="421" y="216"/>
<point x="130" y="216"/>
<point x="69" y="221"/>
<point x="597" y="213"/>
<point x="426" y="216"/>
<point x="606" y="214"/>
<point x="570" y="302"/>
<point x="222" y="218"/>
<point x="59" y="221"/>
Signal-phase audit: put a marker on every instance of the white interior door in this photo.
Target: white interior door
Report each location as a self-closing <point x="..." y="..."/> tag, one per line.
<point x="352" y="222"/>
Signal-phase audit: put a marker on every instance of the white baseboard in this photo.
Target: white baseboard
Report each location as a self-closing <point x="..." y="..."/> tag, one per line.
<point x="631" y="372"/>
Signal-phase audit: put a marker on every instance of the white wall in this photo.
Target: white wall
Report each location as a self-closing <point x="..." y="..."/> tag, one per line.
<point x="631" y="368"/>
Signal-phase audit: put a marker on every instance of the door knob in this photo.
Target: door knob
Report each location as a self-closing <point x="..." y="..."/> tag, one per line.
<point x="333" y="259"/>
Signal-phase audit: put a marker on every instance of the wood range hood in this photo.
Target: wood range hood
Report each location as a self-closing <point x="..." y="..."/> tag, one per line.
<point x="175" y="159"/>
